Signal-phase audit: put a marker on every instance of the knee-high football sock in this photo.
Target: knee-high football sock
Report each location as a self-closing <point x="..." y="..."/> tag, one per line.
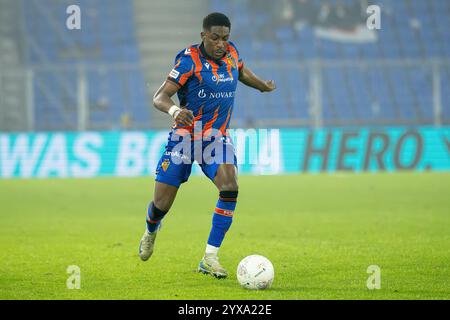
<point x="154" y="217"/>
<point x="222" y="219"/>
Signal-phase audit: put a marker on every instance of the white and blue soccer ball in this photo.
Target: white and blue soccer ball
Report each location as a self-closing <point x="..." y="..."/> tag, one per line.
<point x="255" y="272"/>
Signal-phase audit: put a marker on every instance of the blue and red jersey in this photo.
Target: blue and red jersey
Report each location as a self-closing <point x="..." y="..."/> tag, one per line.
<point x="207" y="86"/>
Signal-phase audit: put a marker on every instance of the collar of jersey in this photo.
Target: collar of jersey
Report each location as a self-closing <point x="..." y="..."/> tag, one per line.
<point x="207" y="56"/>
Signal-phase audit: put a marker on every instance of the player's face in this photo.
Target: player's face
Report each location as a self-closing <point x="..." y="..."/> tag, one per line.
<point x="216" y="41"/>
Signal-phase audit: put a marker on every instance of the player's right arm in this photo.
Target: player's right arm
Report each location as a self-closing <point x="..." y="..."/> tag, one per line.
<point x="177" y="78"/>
<point x="162" y="100"/>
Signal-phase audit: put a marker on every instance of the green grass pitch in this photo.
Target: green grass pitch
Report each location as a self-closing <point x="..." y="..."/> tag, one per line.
<point x="321" y="232"/>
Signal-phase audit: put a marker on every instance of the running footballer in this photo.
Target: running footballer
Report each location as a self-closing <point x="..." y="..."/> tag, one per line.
<point x="205" y="78"/>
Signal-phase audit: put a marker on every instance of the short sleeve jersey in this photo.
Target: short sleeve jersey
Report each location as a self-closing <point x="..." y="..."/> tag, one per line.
<point x="207" y="86"/>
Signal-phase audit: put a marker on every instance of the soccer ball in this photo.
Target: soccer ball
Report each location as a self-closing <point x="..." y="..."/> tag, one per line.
<point x="255" y="272"/>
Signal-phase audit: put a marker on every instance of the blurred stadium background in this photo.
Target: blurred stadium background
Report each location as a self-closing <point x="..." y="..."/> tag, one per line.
<point x="330" y="69"/>
<point x="332" y="73"/>
<point x="77" y="103"/>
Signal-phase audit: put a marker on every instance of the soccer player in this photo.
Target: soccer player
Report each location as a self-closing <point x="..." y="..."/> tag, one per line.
<point x="205" y="77"/>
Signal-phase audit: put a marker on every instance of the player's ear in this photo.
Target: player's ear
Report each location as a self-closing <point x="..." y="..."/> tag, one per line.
<point x="204" y="34"/>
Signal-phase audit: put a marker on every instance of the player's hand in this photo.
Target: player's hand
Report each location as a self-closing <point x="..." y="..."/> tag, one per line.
<point x="185" y="117"/>
<point x="269" y="85"/>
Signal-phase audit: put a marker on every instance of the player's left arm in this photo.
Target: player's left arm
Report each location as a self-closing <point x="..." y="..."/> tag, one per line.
<point x="247" y="77"/>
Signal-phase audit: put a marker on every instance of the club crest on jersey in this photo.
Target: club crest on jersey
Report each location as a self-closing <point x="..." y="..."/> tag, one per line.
<point x="165" y="164"/>
<point x="231" y="61"/>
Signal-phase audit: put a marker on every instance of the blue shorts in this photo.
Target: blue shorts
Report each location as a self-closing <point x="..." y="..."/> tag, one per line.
<point x="174" y="167"/>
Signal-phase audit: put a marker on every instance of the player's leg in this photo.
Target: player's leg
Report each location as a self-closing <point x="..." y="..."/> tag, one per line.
<point x="221" y="169"/>
<point x="227" y="184"/>
<point x="170" y="174"/>
<point x="163" y="199"/>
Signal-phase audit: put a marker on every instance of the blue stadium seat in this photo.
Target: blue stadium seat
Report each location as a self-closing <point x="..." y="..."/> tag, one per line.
<point x="112" y="40"/>
<point x="358" y="94"/>
<point x="369" y="94"/>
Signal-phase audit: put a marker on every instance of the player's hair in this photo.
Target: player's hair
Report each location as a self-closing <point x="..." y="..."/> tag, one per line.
<point x="216" y="19"/>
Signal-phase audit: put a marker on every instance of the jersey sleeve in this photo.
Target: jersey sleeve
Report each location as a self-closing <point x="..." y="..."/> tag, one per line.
<point x="183" y="68"/>
<point x="239" y="58"/>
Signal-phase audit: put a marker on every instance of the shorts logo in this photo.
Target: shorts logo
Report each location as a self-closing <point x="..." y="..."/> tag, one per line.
<point x="174" y="74"/>
<point x="165" y="164"/>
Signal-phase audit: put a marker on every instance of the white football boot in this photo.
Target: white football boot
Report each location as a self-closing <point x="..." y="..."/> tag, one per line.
<point x="210" y="265"/>
<point x="146" y="245"/>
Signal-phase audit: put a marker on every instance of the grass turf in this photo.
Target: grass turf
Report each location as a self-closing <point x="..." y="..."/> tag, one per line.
<point x="321" y="232"/>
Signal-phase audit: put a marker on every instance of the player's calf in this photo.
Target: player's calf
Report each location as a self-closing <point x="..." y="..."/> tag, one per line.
<point x="221" y="223"/>
<point x="222" y="217"/>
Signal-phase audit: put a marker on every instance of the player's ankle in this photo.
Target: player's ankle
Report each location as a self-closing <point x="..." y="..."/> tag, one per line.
<point x="211" y="251"/>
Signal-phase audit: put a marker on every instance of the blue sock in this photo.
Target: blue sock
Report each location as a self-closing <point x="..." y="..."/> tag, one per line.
<point x="223" y="217"/>
<point x="154" y="217"/>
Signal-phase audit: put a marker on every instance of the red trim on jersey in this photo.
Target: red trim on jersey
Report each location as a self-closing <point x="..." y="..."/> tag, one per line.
<point x="210" y="123"/>
<point x="190" y="129"/>
<point x="197" y="62"/>
<point x="215" y="67"/>
<point x="184" y="77"/>
<point x="223" y="128"/>
<point x="226" y="213"/>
